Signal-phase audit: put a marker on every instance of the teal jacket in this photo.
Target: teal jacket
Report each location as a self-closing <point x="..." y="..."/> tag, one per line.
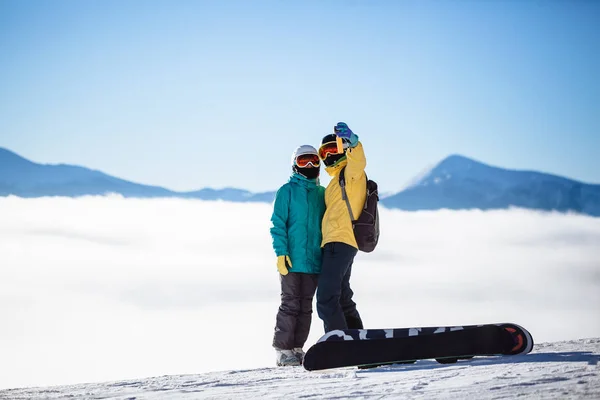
<point x="296" y="223"/>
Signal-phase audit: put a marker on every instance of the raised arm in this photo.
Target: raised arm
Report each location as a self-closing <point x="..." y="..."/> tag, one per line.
<point x="355" y="154"/>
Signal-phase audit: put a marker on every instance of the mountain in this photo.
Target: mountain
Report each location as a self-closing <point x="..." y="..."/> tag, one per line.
<point x="458" y="182"/>
<point x="24" y="178"/>
<point x="230" y="194"/>
<point x="21" y="177"/>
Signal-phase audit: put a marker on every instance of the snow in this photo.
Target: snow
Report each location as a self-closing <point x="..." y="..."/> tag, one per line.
<point x="559" y="370"/>
<point x="419" y="178"/>
<point x="158" y="296"/>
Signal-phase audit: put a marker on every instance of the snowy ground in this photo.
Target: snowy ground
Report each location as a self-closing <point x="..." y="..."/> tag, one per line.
<point x="112" y="289"/>
<point x="561" y="370"/>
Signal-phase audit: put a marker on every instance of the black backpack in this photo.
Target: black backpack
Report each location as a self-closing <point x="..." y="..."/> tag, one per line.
<point x="366" y="227"/>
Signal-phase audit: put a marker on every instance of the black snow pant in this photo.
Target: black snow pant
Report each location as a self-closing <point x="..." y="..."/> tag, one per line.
<point x="295" y="312"/>
<point x="334" y="296"/>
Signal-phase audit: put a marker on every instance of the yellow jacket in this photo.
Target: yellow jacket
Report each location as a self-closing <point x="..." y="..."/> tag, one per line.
<point x="337" y="225"/>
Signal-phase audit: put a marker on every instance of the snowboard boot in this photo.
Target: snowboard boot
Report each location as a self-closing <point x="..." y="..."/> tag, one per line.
<point x="286" y="358"/>
<point x="299" y="353"/>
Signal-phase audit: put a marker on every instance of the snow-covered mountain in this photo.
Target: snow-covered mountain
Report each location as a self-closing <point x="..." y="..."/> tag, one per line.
<point x="560" y="370"/>
<point x="458" y="182"/>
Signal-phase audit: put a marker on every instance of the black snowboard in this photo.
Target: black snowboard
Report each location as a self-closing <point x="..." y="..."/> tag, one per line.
<point x="372" y="347"/>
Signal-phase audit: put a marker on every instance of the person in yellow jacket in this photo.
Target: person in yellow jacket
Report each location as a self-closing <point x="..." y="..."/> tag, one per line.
<point x="341" y="150"/>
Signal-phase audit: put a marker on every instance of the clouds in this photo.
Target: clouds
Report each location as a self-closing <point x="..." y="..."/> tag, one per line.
<point x="107" y="288"/>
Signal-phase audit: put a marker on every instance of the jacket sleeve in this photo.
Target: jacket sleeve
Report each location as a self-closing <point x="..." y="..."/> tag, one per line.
<point x="322" y="205"/>
<point x="356" y="161"/>
<point x="279" y="220"/>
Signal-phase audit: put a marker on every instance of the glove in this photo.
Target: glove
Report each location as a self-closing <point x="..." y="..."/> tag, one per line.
<point x="283" y="264"/>
<point x="341" y="130"/>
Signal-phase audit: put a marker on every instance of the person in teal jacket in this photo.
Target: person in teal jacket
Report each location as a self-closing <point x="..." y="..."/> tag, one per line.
<point x="296" y="231"/>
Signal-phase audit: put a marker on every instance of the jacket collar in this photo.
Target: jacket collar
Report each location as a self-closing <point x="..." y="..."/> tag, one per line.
<point x="304" y="181"/>
<point x="335" y="169"/>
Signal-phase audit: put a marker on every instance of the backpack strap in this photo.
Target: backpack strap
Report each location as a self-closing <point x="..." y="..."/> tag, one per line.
<point x="344" y="194"/>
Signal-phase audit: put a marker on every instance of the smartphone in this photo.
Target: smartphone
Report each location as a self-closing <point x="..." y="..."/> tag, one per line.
<point x="340" y="144"/>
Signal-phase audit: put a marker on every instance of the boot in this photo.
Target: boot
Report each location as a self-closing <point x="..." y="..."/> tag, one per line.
<point x="286" y="358"/>
<point x="299" y="353"/>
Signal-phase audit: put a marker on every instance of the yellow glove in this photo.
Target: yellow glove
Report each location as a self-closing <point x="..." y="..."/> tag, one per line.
<point x="283" y="264"/>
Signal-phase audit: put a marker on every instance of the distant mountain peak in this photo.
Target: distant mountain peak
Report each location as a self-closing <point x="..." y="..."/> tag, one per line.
<point x="453" y="164"/>
<point x="457" y="158"/>
<point x="458" y="162"/>
<point x="9" y="159"/>
<point x="7" y="153"/>
<point x="458" y="182"/>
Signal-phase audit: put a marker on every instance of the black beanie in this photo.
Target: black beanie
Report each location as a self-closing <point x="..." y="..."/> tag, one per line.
<point x="332" y="159"/>
<point x="329" y="138"/>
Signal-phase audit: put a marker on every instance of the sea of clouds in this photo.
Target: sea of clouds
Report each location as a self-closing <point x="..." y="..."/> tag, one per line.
<point x="106" y="288"/>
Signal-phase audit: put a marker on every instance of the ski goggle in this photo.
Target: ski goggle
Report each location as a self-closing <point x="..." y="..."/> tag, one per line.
<point x="303" y="160"/>
<point x="332" y="148"/>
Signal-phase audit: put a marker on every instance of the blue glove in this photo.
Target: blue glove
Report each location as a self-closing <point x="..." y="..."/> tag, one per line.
<point x="341" y="130"/>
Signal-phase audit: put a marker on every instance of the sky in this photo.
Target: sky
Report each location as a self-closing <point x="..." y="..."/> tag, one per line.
<point x="105" y="288"/>
<point x="192" y="94"/>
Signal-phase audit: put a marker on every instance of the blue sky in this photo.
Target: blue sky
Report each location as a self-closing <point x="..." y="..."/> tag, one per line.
<point x="189" y="94"/>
